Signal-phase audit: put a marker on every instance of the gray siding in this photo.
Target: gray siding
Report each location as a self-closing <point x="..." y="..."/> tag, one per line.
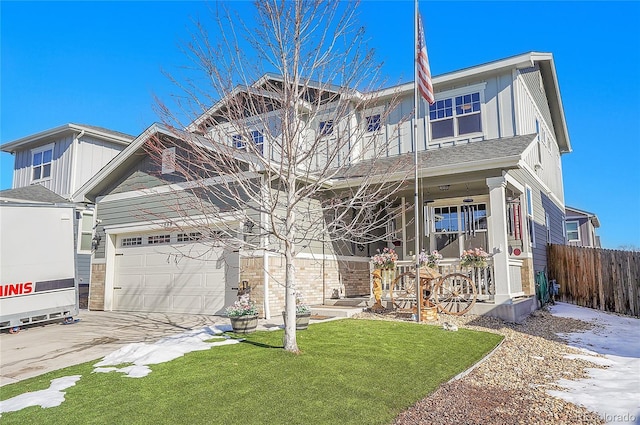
<point x="83" y="266"/>
<point x="93" y="155"/>
<point x="533" y="81"/>
<point x="60" y="167"/>
<point x="542" y="205"/>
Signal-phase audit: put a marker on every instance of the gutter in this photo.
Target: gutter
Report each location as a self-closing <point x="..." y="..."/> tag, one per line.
<point x="75" y="147"/>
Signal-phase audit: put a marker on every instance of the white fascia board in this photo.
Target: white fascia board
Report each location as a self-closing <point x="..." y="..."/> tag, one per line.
<point x="11" y="147"/>
<point x="520" y="61"/>
<point x="160" y="225"/>
<point x="102" y="135"/>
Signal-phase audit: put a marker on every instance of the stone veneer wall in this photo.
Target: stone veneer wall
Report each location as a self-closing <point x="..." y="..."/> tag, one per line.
<point x="96" y="288"/>
<point x="527" y="276"/>
<point x="312" y="277"/>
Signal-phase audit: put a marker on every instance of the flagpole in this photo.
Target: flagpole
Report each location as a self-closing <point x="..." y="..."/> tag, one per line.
<point x="416" y="210"/>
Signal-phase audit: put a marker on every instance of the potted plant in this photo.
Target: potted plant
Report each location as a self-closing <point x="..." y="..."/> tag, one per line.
<point x="429" y="259"/>
<point x="475" y="257"/>
<point x="243" y="315"/>
<point x="303" y="314"/>
<point x="385" y="260"/>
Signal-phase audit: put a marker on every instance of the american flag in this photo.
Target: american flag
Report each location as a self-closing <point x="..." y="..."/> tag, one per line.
<point x="424" y="73"/>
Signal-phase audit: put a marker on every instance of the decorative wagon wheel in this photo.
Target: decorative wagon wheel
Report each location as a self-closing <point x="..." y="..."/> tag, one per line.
<point x="403" y="292"/>
<point x="454" y="294"/>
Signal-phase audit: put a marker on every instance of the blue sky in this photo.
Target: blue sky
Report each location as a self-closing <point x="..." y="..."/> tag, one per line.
<point x="100" y="63"/>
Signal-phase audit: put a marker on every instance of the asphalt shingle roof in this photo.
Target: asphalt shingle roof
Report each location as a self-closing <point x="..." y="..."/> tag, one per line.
<point x="34" y="193"/>
<point x="450" y="156"/>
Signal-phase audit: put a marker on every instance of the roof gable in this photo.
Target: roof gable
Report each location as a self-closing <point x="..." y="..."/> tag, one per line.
<point x="47" y="136"/>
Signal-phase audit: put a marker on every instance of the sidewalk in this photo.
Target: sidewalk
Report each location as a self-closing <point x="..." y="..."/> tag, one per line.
<point x="43" y="348"/>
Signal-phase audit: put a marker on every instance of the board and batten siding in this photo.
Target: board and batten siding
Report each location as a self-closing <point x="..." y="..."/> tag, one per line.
<point x="497" y="114"/>
<point x="93" y="154"/>
<point x="532" y="79"/>
<point x="61" y="167"/>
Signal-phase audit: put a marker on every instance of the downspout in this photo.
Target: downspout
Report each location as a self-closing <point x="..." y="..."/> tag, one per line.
<point x="74" y="162"/>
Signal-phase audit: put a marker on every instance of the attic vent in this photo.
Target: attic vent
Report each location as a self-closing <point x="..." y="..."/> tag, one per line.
<point x="168" y="160"/>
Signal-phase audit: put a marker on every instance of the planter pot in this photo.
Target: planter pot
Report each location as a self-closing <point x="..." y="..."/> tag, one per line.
<point x="302" y="320"/>
<point x="244" y="324"/>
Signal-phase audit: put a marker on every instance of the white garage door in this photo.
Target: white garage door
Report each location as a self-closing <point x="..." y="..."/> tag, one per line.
<point x="171" y="273"/>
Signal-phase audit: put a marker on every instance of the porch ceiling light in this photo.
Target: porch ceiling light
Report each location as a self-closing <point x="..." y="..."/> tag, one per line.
<point x="444" y="187"/>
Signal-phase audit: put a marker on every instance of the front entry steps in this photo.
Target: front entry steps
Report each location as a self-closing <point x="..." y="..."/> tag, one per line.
<point x="341" y="307"/>
<point x="335" y="311"/>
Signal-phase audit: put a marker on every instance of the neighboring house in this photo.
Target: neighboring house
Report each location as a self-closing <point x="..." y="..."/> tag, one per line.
<point x="49" y="166"/>
<point x="580" y="227"/>
<point x="489" y="166"/>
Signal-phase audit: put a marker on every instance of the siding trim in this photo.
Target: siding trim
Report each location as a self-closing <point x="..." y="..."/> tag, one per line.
<point x="175" y="187"/>
<point x="155" y="225"/>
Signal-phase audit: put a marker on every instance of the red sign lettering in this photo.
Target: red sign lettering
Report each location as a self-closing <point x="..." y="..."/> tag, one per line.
<point x="12" y="289"/>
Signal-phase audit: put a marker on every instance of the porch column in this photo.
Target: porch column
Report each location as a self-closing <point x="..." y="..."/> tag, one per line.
<point x="498" y="239"/>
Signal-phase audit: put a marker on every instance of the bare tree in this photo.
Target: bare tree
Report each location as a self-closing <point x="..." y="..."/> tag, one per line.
<point x="291" y="155"/>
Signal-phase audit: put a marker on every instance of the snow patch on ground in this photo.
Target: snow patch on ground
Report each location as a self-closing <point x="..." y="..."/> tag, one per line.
<point x="614" y="392"/>
<point x="137" y="357"/>
<point x="170" y="348"/>
<point x="51" y="397"/>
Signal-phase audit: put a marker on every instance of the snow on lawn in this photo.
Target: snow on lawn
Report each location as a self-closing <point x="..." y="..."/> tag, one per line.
<point x="140" y="355"/>
<point x="614" y="392"/>
<point x="51" y="397"/>
<point x="164" y="350"/>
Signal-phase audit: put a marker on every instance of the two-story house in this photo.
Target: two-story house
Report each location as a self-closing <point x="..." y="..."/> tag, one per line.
<point x="490" y="176"/>
<point x="580" y="228"/>
<point x="51" y="165"/>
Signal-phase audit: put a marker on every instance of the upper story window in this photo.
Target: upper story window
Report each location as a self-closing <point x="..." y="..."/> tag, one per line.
<point x="256" y="136"/>
<point x="258" y="139"/>
<point x="449" y="121"/>
<point x="326" y="128"/>
<point x="238" y="141"/>
<point x="41" y="160"/>
<point x="373" y="123"/>
<point x="573" y="235"/>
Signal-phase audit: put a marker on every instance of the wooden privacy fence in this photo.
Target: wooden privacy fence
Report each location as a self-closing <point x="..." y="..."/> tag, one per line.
<point x="598" y="278"/>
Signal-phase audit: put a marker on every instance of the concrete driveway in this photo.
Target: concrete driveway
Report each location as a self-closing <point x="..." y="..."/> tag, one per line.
<point x="39" y="349"/>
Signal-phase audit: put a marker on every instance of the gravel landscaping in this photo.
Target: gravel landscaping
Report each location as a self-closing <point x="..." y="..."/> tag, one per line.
<point x="508" y="387"/>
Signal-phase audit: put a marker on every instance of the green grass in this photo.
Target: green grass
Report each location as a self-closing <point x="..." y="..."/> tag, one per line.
<point x="349" y="372"/>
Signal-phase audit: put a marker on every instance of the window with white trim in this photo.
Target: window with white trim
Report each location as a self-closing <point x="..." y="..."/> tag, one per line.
<point x="158" y="239"/>
<point x="373" y="123"/>
<point x="85" y="232"/>
<point x="326" y="128"/>
<point x="256" y="136"/>
<point x="238" y="141"/>
<point x="572" y="230"/>
<point x="134" y="241"/>
<point x="258" y="140"/>
<point x="459" y="227"/>
<point x="41" y="162"/>
<point x="547" y="223"/>
<point x="456" y="116"/>
<point x="188" y="237"/>
<point x="530" y="220"/>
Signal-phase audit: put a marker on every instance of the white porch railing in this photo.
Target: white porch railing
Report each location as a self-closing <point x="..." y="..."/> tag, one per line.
<point x="482" y="278"/>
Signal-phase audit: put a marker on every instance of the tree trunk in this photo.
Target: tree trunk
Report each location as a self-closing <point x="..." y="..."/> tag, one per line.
<point x="290" y="342"/>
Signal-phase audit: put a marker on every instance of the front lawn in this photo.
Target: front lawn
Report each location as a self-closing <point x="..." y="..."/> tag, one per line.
<point x="349" y="372"/>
